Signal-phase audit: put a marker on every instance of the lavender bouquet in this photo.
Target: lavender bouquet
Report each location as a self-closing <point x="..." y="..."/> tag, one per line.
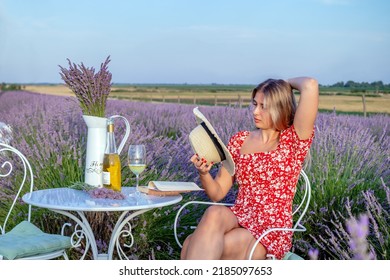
<point x="90" y="89"/>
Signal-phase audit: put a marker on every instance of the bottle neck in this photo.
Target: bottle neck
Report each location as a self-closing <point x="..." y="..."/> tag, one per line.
<point x="110" y="141"/>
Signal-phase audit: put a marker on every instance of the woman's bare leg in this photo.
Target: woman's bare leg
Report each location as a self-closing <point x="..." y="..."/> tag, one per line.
<point x="207" y="241"/>
<point x="238" y="245"/>
<point x="183" y="253"/>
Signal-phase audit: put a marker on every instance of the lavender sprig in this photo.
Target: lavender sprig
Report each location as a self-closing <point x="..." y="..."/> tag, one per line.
<point x="97" y="192"/>
<point x="91" y="89"/>
<point x="106" y="193"/>
<point x="358" y="230"/>
<point x="81" y="186"/>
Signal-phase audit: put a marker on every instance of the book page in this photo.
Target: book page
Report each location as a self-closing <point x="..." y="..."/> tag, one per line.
<point x="174" y="186"/>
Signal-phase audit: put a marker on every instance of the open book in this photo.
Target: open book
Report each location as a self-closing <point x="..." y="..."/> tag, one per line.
<point x="169" y="187"/>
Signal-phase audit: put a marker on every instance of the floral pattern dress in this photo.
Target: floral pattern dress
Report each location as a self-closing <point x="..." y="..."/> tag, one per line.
<point x="267" y="184"/>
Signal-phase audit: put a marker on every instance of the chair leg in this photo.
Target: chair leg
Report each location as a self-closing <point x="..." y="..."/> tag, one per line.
<point x="65" y="255"/>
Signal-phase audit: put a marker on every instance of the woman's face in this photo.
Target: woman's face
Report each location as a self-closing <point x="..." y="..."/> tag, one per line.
<point x="261" y="115"/>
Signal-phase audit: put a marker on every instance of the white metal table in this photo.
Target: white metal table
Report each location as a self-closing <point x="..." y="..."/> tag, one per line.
<point x="74" y="203"/>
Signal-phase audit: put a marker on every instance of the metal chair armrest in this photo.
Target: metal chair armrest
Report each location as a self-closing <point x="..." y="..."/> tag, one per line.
<point x="297" y="228"/>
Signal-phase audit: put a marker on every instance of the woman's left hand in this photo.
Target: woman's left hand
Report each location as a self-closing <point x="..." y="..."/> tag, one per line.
<point x="201" y="164"/>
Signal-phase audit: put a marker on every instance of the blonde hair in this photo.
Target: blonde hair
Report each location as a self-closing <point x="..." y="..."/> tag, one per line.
<point x="279" y="99"/>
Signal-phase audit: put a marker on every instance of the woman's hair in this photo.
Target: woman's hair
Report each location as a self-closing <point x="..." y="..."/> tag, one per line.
<point x="279" y="100"/>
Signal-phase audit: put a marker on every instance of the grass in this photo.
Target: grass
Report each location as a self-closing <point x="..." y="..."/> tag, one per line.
<point x="348" y="103"/>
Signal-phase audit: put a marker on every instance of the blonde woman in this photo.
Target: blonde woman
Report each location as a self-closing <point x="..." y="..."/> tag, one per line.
<point x="268" y="161"/>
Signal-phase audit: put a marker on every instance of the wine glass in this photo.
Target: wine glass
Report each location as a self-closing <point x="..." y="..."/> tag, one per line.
<point x="137" y="163"/>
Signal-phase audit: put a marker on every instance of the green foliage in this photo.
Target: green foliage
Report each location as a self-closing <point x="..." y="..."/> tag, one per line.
<point x="359" y="87"/>
<point x="9" y="87"/>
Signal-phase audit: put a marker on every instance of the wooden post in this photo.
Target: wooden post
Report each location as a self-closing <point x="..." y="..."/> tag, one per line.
<point x="194" y="99"/>
<point x="364" y="105"/>
<point x="215" y="100"/>
<point x="178" y="99"/>
<point x="240" y="101"/>
<point x="163" y="98"/>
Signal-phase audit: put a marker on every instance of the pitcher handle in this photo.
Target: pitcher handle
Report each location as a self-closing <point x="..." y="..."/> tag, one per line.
<point x="123" y="142"/>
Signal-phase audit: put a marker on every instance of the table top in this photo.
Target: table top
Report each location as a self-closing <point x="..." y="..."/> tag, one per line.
<point x="78" y="200"/>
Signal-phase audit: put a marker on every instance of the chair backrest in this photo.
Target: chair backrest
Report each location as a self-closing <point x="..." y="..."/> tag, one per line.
<point x="5" y="133"/>
<point x="305" y="201"/>
<point x="10" y="159"/>
<point x="304" y="205"/>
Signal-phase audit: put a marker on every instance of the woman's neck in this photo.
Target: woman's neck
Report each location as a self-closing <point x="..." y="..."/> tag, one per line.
<point x="260" y="141"/>
<point x="266" y="136"/>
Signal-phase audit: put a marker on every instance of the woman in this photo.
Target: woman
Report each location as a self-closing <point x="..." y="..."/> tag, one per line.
<point x="268" y="162"/>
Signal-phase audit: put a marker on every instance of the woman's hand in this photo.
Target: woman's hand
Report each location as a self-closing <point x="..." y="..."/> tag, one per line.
<point x="216" y="188"/>
<point x="201" y="164"/>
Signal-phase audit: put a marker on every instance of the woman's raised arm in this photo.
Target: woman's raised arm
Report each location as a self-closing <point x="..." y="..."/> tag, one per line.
<point x="307" y="107"/>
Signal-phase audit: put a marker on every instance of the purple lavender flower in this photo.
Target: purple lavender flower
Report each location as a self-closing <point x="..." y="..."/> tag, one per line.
<point x="106" y="193"/>
<point x="313" y="254"/>
<point x="90" y="89"/>
<point x="358" y="230"/>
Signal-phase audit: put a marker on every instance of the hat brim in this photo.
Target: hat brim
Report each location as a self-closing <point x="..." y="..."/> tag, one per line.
<point x="228" y="163"/>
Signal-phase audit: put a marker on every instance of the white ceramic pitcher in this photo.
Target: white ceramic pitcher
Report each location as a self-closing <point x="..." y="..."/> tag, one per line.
<point x="96" y="144"/>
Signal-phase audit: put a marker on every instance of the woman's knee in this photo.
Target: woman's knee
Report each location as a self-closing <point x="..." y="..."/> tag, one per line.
<point x="215" y="213"/>
<point x="218" y="217"/>
<point x="238" y="244"/>
<point x="259" y="253"/>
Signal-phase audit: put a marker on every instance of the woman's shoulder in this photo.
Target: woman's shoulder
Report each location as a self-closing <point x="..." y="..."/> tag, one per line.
<point x="290" y="135"/>
<point x="240" y="135"/>
<point x="238" y="138"/>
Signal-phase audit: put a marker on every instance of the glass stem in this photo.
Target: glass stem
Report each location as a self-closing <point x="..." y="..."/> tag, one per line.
<point x="137" y="182"/>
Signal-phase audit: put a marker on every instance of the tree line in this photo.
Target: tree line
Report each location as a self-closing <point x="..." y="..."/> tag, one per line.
<point x="377" y="86"/>
<point x="5" y="87"/>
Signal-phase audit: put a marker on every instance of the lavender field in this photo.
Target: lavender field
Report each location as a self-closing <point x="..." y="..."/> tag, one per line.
<point x="349" y="215"/>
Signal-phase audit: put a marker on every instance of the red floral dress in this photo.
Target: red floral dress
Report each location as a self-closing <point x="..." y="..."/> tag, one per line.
<point x="267" y="183"/>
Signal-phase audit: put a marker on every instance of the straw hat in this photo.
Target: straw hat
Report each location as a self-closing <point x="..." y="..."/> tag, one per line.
<point x="206" y="143"/>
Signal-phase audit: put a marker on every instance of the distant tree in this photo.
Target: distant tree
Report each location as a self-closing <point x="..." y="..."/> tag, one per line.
<point x="338" y="84"/>
<point x="350" y="84"/>
<point x="356" y="87"/>
<point x="5" y="87"/>
<point x="377" y="85"/>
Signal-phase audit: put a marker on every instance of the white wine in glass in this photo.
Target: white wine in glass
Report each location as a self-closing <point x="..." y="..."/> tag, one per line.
<point x="137" y="162"/>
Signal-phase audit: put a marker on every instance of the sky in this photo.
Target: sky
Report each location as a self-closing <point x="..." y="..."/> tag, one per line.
<point x="197" y="41"/>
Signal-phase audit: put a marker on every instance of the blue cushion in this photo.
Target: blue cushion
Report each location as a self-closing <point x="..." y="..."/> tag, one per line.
<point x="292" y="256"/>
<point x="26" y="240"/>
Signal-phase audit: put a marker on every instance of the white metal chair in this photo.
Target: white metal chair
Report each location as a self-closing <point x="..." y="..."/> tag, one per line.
<point x="297" y="226"/>
<point x="25" y="240"/>
<point x="5" y="133"/>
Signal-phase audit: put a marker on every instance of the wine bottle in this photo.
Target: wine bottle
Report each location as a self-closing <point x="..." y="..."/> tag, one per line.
<point x="111" y="161"/>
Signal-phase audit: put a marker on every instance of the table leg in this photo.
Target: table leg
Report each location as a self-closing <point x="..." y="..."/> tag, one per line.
<point x="85" y="230"/>
<point x="119" y="231"/>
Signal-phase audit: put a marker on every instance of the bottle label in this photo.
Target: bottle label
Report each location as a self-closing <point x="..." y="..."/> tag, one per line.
<point x="106" y="178"/>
